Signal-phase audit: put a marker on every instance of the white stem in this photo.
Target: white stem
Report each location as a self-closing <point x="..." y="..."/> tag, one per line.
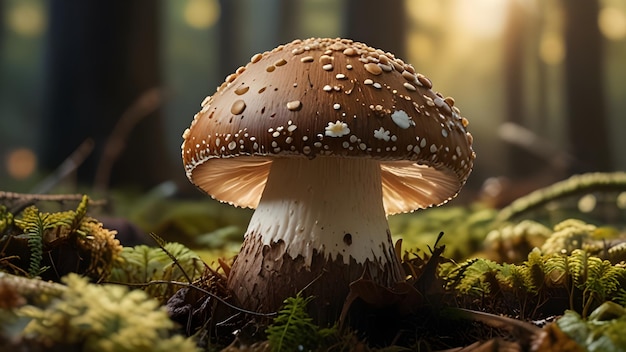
<point x="331" y="205"/>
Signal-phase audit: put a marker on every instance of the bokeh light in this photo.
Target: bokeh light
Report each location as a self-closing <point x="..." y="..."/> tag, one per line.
<point x="419" y="46"/>
<point x="26" y="18"/>
<point x="20" y="163"/>
<point x="481" y="18"/>
<point x="424" y="12"/>
<point x="551" y="48"/>
<point x="201" y="14"/>
<point x="612" y="22"/>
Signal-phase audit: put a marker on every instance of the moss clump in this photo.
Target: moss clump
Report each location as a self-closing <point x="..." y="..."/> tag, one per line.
<point x="102" y="318"/>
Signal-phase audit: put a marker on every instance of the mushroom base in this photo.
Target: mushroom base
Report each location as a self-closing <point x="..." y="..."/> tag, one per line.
<point x="263" y="276"/>
<point x="320" y="225"/>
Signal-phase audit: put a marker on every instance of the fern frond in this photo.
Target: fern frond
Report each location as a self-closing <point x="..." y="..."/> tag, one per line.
<point x="536" y="274"/>
<point x="557" y="269"/>
<point x="473" y="276"/>
<point x="293" y="329"/>
<point x="620" y="297"/>
<point x="35" y="230"/>
<point x="79" y="216"/>
<point x="93" y="246"/>
<point x="579" y="266"/>
<point x="517" y="278"/>
<point x="142" y="264"/>
<point x="6" y="219"/>
<point x="72" y="221"/>
<point x="523" y="279"/>
<point x="603" y="279"/>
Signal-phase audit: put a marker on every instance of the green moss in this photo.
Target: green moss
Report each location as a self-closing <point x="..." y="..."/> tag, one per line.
<point x="103" y="318"/>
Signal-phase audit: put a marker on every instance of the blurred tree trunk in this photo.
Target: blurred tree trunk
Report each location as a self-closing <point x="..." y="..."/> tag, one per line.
<point x="2" y="26"/>
<point x="585" y="99"/>
<point x="102" y="57"/>
<point x="230" y="37"/>
<point x="234" y="35"/>
<point x="521" y="162"/>
<point x="379" y="24"/>
<point x="289" y="19"/>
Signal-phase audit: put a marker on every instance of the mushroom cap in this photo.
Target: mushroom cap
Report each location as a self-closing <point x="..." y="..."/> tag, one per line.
<point x="323" y="97"/>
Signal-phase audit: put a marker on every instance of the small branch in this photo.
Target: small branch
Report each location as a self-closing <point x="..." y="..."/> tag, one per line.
<point x="208" y="293"/>
<point x="23" y="200"/>
<point x="69" y="165"/>
<point x="161" y="243"/>
<point x="143" y="106"/>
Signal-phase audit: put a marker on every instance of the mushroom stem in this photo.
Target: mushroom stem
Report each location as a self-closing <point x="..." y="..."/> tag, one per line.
<point x="319" y="221"/>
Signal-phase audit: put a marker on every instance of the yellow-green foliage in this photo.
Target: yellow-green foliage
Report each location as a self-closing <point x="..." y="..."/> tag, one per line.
<point x="588" y="281"/>
<point x="464" y="228"/>
<point x="513" y="241"/>
<point x="142" y="264"/>
<point x="528" y="277"/>
<point x="84" y="234"/>
<point x="602" y="331"/>
<point x="597" y="280"/>
<point x="569" y="235"/>
<point x="103" y="318"/>
<point x="6" y="218"/>
<point x="71" y="221"/>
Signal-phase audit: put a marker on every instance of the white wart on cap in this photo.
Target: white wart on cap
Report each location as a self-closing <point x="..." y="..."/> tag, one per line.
<point x="332" y="98"/>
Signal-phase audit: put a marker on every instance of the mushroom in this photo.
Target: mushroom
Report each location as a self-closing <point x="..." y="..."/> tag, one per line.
<point x="325" y="138"/>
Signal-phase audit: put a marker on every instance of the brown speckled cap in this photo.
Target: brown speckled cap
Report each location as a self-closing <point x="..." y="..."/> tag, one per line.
<point x="329" y="98"/>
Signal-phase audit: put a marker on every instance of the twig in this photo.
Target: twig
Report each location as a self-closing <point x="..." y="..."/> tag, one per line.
<point x="69" y="165"/>
<point x="25" y="199"/>
<point x="143" y="106"/>
<point x="161" y="243"/>
<point x="211" y="294"/>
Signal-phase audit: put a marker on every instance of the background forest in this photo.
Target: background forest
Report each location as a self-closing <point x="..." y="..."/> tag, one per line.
<point x="94" y="98"/>
<point x="116" y="83"/>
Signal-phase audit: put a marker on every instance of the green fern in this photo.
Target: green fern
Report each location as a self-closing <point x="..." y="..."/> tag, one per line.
<point x="66" y="222"/>
<point x="6" y="219"/>
<point x="620" y="297"/>
<point x="35" y="232"/>
<point x="587" y="280"/>
<point x="475" y="276"/>
<point x="142" y="264"/>
<point x="528" y="277"/>
<point x="292" y="329"/>
<point x="94" y="246"/>
<point x="598" y="279"/>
